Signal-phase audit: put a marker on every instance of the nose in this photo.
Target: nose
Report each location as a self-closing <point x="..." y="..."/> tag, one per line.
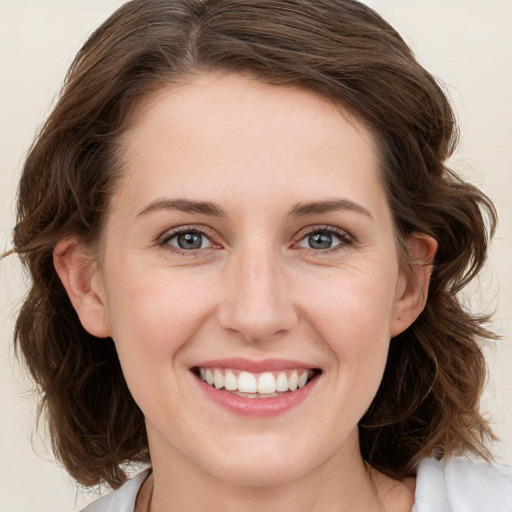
<point x="257" y="305"/>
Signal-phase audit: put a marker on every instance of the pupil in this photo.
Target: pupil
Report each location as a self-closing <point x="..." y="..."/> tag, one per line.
<point x="189" y="241"/>
<point x="320" y="241"/>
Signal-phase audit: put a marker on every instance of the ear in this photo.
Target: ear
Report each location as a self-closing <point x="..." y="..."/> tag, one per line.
<point x="80" y="276"/>
<point x="412" y="289"/>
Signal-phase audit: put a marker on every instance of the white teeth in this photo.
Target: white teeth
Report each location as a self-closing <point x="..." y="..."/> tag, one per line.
<point x="282" y="382"/>
<point x="269" y="384"/>
<point x="293" y="381"/>
<point x="266" y="383"/>
<point x="230" y="381"/>
<point x="247" y="383"/>
<point x="218" y="379"/>
<point x="303" y="378"/>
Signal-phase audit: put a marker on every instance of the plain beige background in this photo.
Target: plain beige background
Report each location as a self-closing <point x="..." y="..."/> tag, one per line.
<point x="467" y="43"/>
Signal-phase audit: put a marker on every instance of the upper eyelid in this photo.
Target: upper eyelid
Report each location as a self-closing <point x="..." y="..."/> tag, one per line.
<point x="168" y="234"/>
<point x="343" y="233"/>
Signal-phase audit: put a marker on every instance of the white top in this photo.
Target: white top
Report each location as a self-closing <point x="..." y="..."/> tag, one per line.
<point x="122" y="499"/>
<point x="454" y="485"/>
<point x="462" y="485"/>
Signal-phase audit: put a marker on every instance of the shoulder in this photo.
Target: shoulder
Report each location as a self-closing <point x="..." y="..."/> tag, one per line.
<point x="462" y="485"/>
<point x="122" y="499"/>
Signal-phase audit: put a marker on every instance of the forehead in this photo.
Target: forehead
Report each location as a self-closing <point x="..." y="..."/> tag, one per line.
<point x="215" y="129"/>
<point x="197" y="97"/>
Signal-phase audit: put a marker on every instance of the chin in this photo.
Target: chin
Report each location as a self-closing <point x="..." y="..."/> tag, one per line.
<point x="262" y="466"/>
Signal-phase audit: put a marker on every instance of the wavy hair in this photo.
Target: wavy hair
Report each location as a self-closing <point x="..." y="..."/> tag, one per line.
<point x="429" y="397"/>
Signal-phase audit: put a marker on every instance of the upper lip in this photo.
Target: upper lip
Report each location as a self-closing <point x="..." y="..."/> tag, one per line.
<point x="255" y="366"/>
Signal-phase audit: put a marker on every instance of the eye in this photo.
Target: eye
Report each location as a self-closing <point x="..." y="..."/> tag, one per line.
<point x="188" y="240"/>
<point x="324" y="239"/>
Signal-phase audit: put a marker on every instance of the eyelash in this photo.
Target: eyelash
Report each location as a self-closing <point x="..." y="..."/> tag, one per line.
<point x="346" y="240"/>
<point x="168" y="236"/>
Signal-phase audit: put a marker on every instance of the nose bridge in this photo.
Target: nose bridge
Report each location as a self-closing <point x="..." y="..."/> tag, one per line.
<point x="260" y="278"/>
<point x="258" y="305"/>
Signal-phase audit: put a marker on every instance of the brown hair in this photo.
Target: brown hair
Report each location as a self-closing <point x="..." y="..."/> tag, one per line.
<point x="428" y="401"/>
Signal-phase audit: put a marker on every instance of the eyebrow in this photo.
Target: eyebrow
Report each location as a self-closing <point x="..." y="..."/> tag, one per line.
<point x="183" y="205"/>
<point x="213" y="210"/>
<point x="319" y="207"/>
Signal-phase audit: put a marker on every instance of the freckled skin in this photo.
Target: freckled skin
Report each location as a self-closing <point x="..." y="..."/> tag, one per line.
<point x="255" y="287"/>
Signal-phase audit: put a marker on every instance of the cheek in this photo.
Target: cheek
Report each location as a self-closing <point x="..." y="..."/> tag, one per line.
<point x="352" y="318"/>
<point x="153" y="314"/>
<point x="153" y="317"/>
<point x="353" y="307"/>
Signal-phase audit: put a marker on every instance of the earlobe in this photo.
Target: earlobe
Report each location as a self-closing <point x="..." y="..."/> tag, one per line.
<point x="412" y="294"/>
<point x="79" y="274"/>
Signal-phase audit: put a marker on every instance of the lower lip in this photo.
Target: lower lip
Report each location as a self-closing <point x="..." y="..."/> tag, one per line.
<point x="257" y="407"/>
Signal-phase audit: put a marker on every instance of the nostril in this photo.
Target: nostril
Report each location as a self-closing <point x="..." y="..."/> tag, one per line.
<point x="257" y="312"/>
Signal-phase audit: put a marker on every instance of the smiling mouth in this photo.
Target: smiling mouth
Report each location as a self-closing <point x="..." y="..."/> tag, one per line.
<point x="256" y="385"/>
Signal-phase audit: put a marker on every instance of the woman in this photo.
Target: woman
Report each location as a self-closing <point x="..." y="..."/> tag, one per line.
<point x="246" y="251"/>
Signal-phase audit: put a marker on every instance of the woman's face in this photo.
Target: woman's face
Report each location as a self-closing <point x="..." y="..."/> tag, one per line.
<point x="250" y="242"/>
